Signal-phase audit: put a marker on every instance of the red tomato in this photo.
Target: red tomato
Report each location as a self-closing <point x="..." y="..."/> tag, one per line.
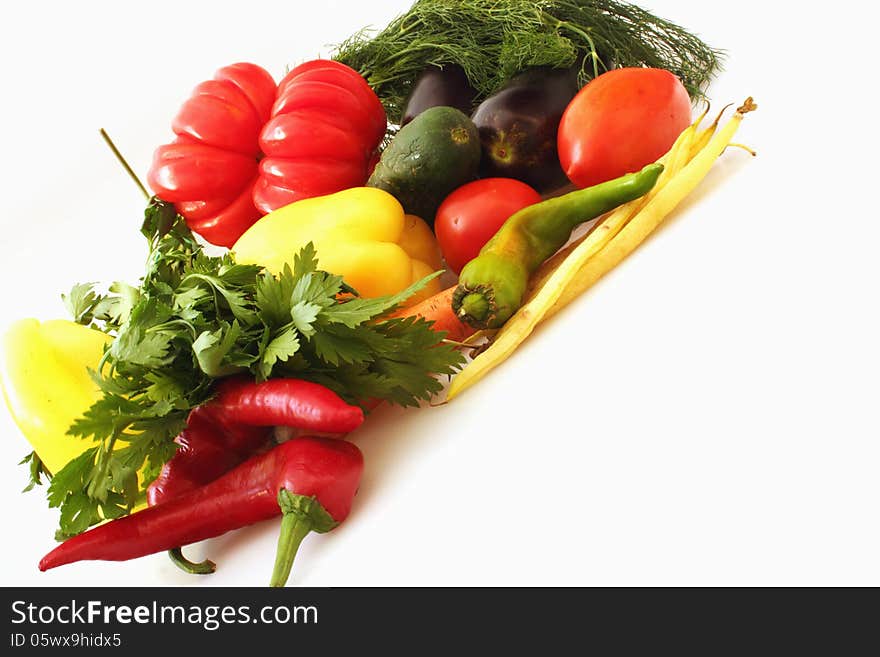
<point x="619" y="122"/>
<point x="244" y="147"/>
<point x="209" y="170"/>
<point x="474" y="212"/>
<point x="326" y="123"/>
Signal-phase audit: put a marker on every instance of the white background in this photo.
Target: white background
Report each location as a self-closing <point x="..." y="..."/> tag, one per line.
<point x="706" y="415"/>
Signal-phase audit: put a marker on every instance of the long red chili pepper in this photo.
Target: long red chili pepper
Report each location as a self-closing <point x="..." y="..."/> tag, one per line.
<point x="234" y="425"/>
<point x="285" y="402"/>
<point x="205" y="451"/>
<point x="310" y="480"/>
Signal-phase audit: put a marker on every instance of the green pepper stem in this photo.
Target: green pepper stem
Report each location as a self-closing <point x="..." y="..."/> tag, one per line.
<point x="475" y="306"/>
<point x="205" y="567"/>
<point x="294" y="528"/>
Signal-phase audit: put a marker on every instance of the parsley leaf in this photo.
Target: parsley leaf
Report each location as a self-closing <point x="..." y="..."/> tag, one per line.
<point x="317" y="287"/>
<point x="306" y="261"/>
<point x="303" y="314"/>
<point x="274" y="297"/>
<point x="335" y="346"/>
<point x="195" y="318"/>
<point x="281" y="348"/>
<point x="36" y="471"/>
<point x="80" y="302"/>
<point x="117" y="308"/>
<point x="213" y="348"/>
<point x="72" y="478"/>
<point x="355" y="312"/>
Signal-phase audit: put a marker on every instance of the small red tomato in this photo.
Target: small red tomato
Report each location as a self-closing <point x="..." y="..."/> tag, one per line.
<point x="474" y="212"/>
<point x="619" y="122"/>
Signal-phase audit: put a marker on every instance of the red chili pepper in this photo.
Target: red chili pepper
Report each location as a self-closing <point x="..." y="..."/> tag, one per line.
<point x="285" y="402"/>
<point x="318" y="130"/>
<point x="311" y="481"/>
<point x="205" y="451"/>
<point x="232" y="426"/>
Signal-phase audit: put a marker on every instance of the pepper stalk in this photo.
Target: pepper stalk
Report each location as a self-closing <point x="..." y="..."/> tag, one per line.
<point x="300" y="516"/>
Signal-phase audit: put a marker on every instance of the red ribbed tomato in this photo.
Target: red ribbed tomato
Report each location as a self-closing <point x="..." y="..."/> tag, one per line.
<point x="209" y="170"/>
<point x="619" y="122"/>
<point x="326" y="125"/>
<point x="245" y="147"/>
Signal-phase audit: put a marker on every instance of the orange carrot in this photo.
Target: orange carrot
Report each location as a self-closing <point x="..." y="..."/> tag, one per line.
<point x="438" y="309"/>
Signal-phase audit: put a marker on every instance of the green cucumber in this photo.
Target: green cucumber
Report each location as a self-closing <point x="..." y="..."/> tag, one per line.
<point x="435" y="153"/>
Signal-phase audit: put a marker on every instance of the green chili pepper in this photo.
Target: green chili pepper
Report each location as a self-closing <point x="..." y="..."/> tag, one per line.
<point x="491" y="286"/>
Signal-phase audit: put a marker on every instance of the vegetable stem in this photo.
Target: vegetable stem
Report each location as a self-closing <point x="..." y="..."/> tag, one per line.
<point x="205" y="567"/>
<point x="294" y="528"/>
<point x="124" y="163"/>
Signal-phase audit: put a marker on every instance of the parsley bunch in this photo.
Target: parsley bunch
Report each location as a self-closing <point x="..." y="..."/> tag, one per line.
<point x="196" y="318"/>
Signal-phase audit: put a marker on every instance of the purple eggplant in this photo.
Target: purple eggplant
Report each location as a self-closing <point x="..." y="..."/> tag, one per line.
<point x="447" y="86"/>
<point x="518" y="125"/>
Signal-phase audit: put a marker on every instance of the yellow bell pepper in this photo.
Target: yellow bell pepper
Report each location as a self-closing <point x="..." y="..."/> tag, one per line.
<point x="361" y="234"/>
<point x="46" y="383"/>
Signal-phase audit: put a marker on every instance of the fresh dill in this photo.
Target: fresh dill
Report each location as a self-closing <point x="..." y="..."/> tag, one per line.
<point x="493" y="40"/>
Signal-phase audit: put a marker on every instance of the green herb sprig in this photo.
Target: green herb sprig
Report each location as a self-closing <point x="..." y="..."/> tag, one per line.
<point x="494" y="40"/>
<point x="196" y="318"/>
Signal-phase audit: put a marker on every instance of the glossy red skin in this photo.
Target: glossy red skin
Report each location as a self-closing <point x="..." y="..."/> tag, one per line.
<point x="325" y="468"/>
<point x="236" y="423"/>
<point x="282" y="137"/>
<point x="619" y="122"/>
<point x="369" y="113"/>
<point x="286" y="403"/>
<point x="222" y="225"/>
<point x="318" y="130"/>
<point x="234" y="121"/>
<point x="256" y="83"/>
<point x="325" y="126"/>
<point x="285" y="180"/>
<point x="473" y="213"/>
<point x="204" y="453"/>
<point x="210" y="169"/>
<point x="187" y="171"/>
<point x="321" y="174"/>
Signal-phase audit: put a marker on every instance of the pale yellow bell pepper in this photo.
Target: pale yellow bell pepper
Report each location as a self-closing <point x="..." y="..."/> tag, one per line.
<point x="361" y="234"/>
<point x="46" y="383"/>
